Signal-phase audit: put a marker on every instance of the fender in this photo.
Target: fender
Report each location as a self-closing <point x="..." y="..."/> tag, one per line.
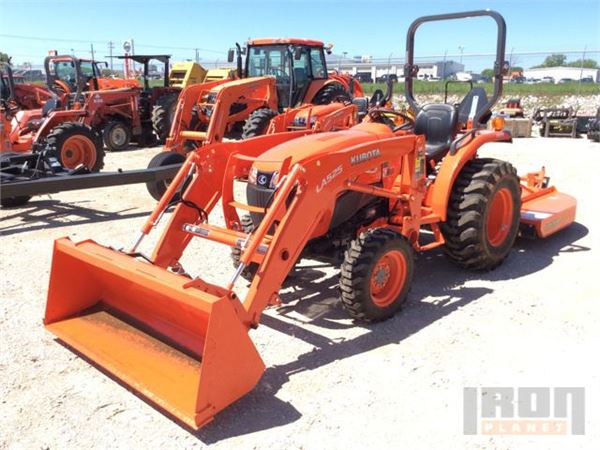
<point x="439" y="194"/>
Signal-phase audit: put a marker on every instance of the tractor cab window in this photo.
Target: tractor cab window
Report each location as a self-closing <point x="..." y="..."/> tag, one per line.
<point x="269" y="61"/>
<point x="317" y="62"/>
<point x="272" y="60"/>
<point x="65" y="71"/>
<point x="4" y="88"/>
<point x="87" y="71"/>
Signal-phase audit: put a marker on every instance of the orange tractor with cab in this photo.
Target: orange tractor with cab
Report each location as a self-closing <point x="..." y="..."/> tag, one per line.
<point x="369" y="196"/>
<point x="300" y="76"/>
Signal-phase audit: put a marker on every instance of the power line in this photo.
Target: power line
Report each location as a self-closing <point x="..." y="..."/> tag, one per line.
<point x="40" y="38"/>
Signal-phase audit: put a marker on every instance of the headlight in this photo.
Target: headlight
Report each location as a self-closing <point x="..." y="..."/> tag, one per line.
<point x="274" y="179"/>
<point x="252" y="175"/>
<point x="301" y="121"/>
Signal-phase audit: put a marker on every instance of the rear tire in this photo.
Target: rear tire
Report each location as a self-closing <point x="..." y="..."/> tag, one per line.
<point x="163" y="114"/>
<point x="257" y="123"/>
<point x="76" y="144"/>
<point x="250" y="270"/>
<point x="483" y="214"/>
<point x="158" y="188"/>
<point x="376" y="275"/>
<point x="116" y="135"/>
<point x="333" y="92"/>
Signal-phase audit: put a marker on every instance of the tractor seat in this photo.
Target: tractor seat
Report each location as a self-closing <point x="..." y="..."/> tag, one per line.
<point x="300" y="76"/>
<point x="438" y="122"/>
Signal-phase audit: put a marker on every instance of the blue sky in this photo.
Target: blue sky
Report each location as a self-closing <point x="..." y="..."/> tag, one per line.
<point x="375" y="28"/>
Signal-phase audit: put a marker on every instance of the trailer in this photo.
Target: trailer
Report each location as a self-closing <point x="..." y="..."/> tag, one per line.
<point x="23" y="176"/>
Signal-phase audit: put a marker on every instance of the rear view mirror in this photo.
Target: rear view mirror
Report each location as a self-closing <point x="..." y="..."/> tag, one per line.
<point x="297" y="53"/>
<point x="230" y="55"/>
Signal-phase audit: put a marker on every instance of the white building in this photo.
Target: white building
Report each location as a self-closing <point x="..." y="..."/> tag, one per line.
<point x="440" y="69"/>
<point x="437" y="70"/>
<point x="574" y="73"/>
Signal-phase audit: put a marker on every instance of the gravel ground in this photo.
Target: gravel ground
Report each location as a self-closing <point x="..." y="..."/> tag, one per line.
<point x="330" y="383"/>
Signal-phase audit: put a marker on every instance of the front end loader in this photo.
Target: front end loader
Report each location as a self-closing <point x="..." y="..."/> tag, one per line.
<point x="365" y="195"/>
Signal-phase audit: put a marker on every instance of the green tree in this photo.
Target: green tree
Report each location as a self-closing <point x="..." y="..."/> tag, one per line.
<point x="587" y="64"/>
<point x="3" y="57"/>
<point x="516" y="69"/>
<point x="554" y="60"/>
<point x="488" y="73"/>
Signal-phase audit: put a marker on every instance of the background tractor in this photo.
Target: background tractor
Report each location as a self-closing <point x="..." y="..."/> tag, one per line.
<point x="300" y="76"/>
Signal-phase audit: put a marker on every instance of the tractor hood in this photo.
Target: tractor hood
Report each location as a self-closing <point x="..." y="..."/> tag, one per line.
<point x="315" y="145"/>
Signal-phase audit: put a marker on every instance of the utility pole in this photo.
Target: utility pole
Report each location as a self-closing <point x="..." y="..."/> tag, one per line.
<point x="92" y="49"/>
<point x="461" y="48"/>
<point x="197" y="56"/>
<point x="111" y="45"/>
<point x="444" y="65"/>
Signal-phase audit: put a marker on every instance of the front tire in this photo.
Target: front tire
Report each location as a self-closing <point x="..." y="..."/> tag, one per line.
<point x="483" y="214"/>
<point x="13" y="202"/>
<point x="158" y="188"/>
<point x="257" y="123"/>
<point x="376" y="275"/>
<point x="333" y="92"/>
<point x="162" y="116"/>
<point x="250" y="270"/>
<point x="116" y="135"/>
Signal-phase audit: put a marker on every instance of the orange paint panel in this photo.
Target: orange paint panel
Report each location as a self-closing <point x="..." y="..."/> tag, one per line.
<point x="549" y="213"/>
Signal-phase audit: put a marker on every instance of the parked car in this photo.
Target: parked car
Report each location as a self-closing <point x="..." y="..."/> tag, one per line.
<point x="363" y="77"/>
<point x="548" y="80"/>
<point x="384" y="78"/>
<point x="587" y="80"/>
<point x="32" y="75"/>
<point x="565" y="80"/>
<point x="518" y="80"/>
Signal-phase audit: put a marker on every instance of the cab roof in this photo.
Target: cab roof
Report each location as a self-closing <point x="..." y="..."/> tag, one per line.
<point x="297" y="41"/>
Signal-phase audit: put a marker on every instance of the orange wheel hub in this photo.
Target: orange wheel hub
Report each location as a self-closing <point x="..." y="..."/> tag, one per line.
<point x="78" y="150"/>
<point x="499" y="217"/>
<point x="387" y="278"/>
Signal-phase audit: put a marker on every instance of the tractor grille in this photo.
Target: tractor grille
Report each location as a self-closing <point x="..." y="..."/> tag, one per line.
<point x="259" y="196"/>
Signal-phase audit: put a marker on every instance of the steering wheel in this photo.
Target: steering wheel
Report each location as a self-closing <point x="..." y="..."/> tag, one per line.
<point x="10" y="108"/>
<point x="379" y="115"/>
<point x="276" y="72"/>
<point x="60" y="87"/>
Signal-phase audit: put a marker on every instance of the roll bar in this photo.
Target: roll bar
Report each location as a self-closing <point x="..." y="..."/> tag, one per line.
<point x="500" y="65"/>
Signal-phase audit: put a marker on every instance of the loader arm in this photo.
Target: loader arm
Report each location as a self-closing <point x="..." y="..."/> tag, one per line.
<point x="253" y="92"/>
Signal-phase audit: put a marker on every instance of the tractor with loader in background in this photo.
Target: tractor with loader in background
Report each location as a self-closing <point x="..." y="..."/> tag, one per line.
<point x="300" y="75"/>
<point x="368" y="197"/>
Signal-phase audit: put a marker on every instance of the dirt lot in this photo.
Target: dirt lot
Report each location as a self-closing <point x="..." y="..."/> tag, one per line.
<point x="329" y="383"/>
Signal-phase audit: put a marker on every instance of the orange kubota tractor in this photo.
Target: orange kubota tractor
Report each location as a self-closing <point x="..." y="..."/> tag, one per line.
<point x="364" y="194"/>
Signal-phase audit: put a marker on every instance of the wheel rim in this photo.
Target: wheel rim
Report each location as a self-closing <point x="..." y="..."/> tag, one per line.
<point x="387" y="278"/>
<point x="118" y="136"/>
<point x="78" y="150"/>
<point x="499" y="217"/>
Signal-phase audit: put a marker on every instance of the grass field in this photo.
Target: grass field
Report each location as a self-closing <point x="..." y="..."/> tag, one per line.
<point x="544" y="89"/>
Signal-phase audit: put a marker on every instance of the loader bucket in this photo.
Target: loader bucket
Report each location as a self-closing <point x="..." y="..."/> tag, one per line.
<point x="183" y="348"/>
